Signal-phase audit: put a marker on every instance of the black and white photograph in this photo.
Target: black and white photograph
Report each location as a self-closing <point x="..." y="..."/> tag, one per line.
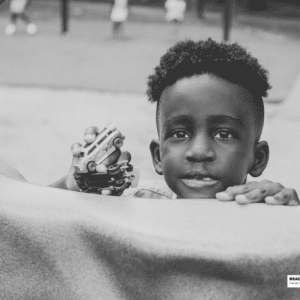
<point x="149" y="149"/>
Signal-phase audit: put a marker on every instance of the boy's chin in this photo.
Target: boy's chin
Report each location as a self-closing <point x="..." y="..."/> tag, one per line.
<point x="193" y="196"/>
<point x="197" y="195"/>
<point x="192" y="190"/>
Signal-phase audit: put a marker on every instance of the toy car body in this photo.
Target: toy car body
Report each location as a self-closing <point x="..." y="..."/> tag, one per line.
<point x="106" y="142"/>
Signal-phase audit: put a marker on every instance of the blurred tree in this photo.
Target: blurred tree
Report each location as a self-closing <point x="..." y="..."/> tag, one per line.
<point x="197" y="6"/>
<point x="256" y="5"/>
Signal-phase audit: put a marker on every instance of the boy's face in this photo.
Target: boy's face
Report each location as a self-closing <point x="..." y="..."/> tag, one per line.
<point x="207" y="136"/>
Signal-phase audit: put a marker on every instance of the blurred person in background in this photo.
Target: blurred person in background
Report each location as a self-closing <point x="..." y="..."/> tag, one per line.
<point x="175" y="10"/>
<point x="17" y="11"/>
<point x="119" y="15"/>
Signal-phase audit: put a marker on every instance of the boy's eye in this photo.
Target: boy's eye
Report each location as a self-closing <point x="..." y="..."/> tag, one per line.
<point x="224" y="135"/>
<point x="180" y="134"/>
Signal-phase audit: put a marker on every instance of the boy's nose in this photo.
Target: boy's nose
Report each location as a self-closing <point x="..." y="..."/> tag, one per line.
<point x="201" y="149"/>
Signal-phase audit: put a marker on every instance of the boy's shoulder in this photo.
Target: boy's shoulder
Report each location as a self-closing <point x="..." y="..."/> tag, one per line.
<point x="154" y="189"/>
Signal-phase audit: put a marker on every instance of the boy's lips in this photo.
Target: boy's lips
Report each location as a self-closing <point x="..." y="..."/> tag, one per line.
<point x="199" y="180"/>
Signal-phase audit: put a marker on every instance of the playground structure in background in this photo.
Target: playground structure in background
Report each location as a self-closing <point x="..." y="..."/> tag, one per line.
<point x="227" y="16"/>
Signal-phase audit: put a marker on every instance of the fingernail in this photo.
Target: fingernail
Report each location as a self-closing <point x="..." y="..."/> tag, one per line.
<point x="241" y="199"/>
<point x="223" y="196"/>
<point x="89" y="138"/>
<point x="270" y="200"/>
<point x="101" y="169"/>
<point x="76" y="151"/>
<point x="91" y="130"/>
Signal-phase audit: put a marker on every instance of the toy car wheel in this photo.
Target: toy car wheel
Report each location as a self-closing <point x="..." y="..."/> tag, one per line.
<point x="118" y="142"/>
<point x="113" y="170"/>
<point x="91" y="166"/>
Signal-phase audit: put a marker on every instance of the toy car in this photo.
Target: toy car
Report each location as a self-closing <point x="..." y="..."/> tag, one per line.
<point x="117" y="178"/>
<point x="106" y="142"/>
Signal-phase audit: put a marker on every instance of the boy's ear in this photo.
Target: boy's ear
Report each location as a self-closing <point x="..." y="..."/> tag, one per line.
<point x="261" y="158"/>
<point x="155" y="153"/>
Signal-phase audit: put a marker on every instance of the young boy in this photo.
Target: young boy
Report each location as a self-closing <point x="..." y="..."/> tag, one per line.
<point x="209" y="118"/>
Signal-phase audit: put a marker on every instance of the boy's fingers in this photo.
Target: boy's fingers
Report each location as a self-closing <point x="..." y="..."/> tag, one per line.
<point x="125" y="156"/>
<point x="224" y="196"/>
<point x="90" y="134"/>
<point x="106" y="192"/>
<point x="112" y="159"/>
<point x="101" y="169"/>
<point x="115" y="157"/>
<point x="251" y="192"/>
<point x="284" y="197"/>
<point x="92" y="130"/>
<point x="262" y="190"/>
<point x="76" y="149"/>
<point x="230" y="193"/>
<point x="252" y="197"/>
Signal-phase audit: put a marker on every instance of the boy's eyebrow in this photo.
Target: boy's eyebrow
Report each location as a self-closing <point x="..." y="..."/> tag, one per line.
<point x="224" y="119"/>
<point x="179" y="119"/>
<point x="186" y="120"/>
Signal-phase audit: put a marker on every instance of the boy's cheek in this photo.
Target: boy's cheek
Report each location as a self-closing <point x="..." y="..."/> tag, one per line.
<point x="172" y="164"/>
<point x="238" y="177"/>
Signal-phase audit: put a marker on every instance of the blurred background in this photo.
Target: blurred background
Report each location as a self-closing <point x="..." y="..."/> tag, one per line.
<point x="73" y="73"/>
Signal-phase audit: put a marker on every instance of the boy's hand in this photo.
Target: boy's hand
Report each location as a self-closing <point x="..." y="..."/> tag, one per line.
<point x="89" y="137"/>
<point x="263" y="191"/>
<point x="111" y="160"/>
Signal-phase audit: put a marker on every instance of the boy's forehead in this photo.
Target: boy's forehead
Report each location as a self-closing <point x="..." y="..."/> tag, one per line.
<point x="205" y="92"/>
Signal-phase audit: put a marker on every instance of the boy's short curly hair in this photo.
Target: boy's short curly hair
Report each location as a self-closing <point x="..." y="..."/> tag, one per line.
<point x="228" y="61"/>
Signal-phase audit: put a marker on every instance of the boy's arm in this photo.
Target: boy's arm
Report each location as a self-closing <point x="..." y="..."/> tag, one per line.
<point x="60" y="183"/>
<point x="10" y="172"/>
<point x="264" y="191"/>
<point x="68" y="182"/>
